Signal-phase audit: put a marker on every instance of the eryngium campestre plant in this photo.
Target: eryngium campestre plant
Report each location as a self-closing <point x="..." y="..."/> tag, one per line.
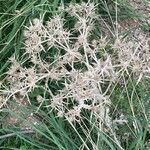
<point x="85" y="67"/>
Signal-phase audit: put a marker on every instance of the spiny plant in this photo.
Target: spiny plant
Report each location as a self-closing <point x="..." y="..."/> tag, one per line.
<point x="74" y="73"/>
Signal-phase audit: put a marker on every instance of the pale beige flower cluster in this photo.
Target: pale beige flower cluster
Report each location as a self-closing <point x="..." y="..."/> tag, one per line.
<point x="80" y="59"/>
<point x="134" y="55"/>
